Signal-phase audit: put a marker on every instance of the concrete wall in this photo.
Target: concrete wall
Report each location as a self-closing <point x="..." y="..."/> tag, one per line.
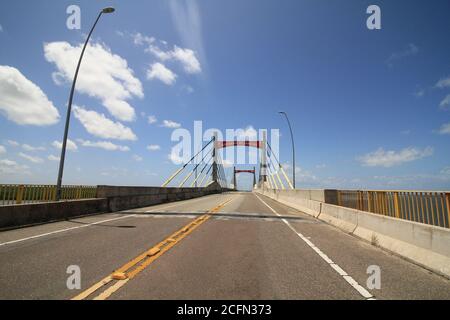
<point x="109" y="199"/>
<point x="125" y="198"/>
<point x="426" y="245"/>
<point x="29" y="214"/>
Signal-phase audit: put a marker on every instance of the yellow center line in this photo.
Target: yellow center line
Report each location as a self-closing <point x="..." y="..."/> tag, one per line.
<point x="132" y="268"/>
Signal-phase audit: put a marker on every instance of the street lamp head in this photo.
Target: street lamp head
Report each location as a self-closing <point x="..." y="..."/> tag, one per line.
<point x="108" y="10"/>
<point x="281" y="112"/>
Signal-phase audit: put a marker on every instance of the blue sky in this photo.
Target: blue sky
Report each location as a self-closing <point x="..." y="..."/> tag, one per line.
<point x="370" y="108"/>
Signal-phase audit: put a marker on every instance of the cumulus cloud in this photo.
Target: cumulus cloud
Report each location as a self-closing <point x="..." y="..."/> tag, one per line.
<point x="445" y="129"/>
<point x="53" y="158"/>
<point x="23" y="102"/>
<point x="10" y="167"/>
<point x="170" y="124"/>
<point x="100" y="126"/>
<point x="187" y="19"/>
<point x="2" y="149"/>
<point x="443" y="83"/>
<point x="301" y="175"/>
<point x="29" y="148"/>
<point x="31" y="158"/>
<point x="445" y="104"/>
<point x="137" y="158"/>
<point x="71" y="146"/>
<point x="186" y="57"/>
<point x="103" y="75"/>
<point x="161" y="72"/>
<point x="152" y="120"/>
<point x="382" y="158"/>
<point x="153" y="147"/>
<point x="13" y="143"/>
<point x="106" y="145"/>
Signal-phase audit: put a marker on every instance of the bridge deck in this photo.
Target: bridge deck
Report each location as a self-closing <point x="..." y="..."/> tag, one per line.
<point x="252" y="248"/>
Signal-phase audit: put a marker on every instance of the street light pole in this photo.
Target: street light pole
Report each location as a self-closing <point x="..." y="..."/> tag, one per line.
<point x="69" y="107"/>
<point x="293" y="147"/>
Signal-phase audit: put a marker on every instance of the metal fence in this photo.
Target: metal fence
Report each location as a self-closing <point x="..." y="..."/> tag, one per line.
<point x="20" y="194"/>
<point x="430" y="207"/>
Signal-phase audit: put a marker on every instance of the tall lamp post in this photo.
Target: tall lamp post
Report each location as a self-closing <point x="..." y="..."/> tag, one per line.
<point x="69" y="108"/>
<point x="293" y="146"/>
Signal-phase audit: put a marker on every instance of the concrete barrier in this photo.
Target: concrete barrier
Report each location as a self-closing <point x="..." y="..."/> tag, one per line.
<point x="423" y="244"/>
<point x="28" y="214"/>
<point x="125" y="198"/>
<point x="109" y="199"/>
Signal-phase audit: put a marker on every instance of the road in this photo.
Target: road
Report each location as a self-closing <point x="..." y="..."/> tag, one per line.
<point x="247" y="247"/>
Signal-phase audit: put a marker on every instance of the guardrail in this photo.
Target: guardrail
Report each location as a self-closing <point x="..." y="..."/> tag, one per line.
<point x="429" y="207"/>
<point x="20" y="194"/>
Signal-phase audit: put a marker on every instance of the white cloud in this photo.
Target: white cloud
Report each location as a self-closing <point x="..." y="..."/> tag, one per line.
<point x="140" y="39"/>
<point x="103" y="75"/>
<point x="27" y="147"/>
<point x="2" y="149"/>
<point x="13" y="143"/>
<point x="188" y="59"/>
<point x="153" y="147"/>
<point x="170" y="124"/>
<point x="443" y="83"/>
<point x="445" y="129"/>
<point x="53" y="158"/>
<point x="152" y="120"/>
<point x="31" y="158"/>
<point x="106" y="145"/>
<point x="137" y="158"/>
<point x="301" y="175"/>
<point x="23" y="102"/>
<point x="445" y="104"/>
<point x="419" y="93"/>
<point x="71" y="146"/>
<point x="162" y="73"/>
<point x="382" y="158"/>
<point x="188" y="23"/>
<point x="100" y="126"/>
<point x="185" y="56"/>
<point x="410" y="50"/>
<point x="9" y="167"/>
<point x="247" y="134"/>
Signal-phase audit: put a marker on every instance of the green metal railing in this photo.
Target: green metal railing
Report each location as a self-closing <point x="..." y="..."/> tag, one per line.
<point x="429" y="207"/>
<point x="19" y="194"/>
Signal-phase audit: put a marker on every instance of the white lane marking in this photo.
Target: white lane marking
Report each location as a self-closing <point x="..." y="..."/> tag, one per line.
<point x="64" y="230"/>
<point x="361" y="290"/>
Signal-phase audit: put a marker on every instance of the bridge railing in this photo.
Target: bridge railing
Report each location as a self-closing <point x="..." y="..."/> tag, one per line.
<point x="26" y="193"/>
<point x="429" y="207"/>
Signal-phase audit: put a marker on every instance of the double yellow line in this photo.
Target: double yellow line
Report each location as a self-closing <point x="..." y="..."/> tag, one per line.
<point x="103" y="289"/>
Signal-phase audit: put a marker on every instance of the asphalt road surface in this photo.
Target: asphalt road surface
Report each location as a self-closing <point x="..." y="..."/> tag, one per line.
<point x="247" y="247"/>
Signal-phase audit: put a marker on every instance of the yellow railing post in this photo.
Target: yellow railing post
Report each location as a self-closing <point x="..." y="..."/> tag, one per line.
<point x="19" y="195"/>
<point x="396" y="206"/>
